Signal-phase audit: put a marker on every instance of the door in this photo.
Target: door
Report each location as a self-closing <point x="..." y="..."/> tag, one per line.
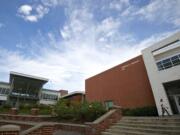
<point x="177" y="101"/>
<point x="109" y="104"/>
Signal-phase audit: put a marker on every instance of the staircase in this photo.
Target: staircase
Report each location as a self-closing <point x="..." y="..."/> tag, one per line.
<point x="145" y="126"/>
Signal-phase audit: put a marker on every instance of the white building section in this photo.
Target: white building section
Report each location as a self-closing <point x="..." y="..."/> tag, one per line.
<point x="162" y="61"/>
<point x="4" y="91"/>
<point x="49" y="97"/>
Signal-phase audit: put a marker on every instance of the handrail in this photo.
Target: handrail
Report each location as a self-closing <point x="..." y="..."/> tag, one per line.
<point x="30" y="130"/>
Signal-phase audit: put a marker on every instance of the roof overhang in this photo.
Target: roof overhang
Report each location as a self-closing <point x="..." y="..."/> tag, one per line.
<point x="23" y="81"/>
<point x="73" y="94"/>
<point x="21" y="75"/>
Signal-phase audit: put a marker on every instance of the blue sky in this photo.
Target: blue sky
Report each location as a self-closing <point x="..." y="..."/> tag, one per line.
<point x="69" y="41"/>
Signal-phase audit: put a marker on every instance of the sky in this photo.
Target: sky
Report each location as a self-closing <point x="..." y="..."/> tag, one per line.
<point x="68" y="41"/>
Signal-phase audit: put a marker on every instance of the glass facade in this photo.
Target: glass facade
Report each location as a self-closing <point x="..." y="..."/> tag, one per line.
<point x="4" y="91"/>
<point x="168" y="62"/>
<point x="46" y="96"/>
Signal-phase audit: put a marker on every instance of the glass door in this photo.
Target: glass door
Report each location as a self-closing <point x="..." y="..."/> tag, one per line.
<point x="177" y="101"/>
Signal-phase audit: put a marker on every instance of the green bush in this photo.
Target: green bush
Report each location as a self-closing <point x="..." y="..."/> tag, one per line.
<point x="91" y="111"/>
<point x="24" y="109"/>
<point x="64" y="110"/>
<point x="5" y="108"/>
<point x="143" y="111"/>
<point x="44" y="109"/>
<point x="75" y="111"/>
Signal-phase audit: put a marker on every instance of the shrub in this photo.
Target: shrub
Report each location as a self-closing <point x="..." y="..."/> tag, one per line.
<point x="24" y="109"/>
<point x="64" y="110"/>
<point x="44" y="109"/>
<point x="5" y="108"/>
<point x="75" y="111"/>
<point x="143" y="111"/>
<point x="91" y="111"/>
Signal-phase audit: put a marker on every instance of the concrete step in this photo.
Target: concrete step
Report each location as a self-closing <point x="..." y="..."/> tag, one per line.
<point x="152" y="119"/>
<point x="149" y="122"/>
<point x="145" y="130"/>
<point x="145" y="126"/>
<point x="150" y="126"/>
<point x="129" y="133"/>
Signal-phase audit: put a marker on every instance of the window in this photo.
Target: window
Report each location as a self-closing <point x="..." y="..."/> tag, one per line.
<point x="160" y="65"/>
<point x="169" y="62"/>
<point x="49" y="96"/>
<point x="4" y="91"/>
<point x="175" y="60"/>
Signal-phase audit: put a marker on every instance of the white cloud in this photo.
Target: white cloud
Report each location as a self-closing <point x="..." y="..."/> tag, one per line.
<point x="176" y="21"/>
<point x="118" y="4"/>
<point x="109" y="24"/>
<point x="157" y="11"/>
<point x="25" y="11"/>
<point x="86" y="48"/>
<point x="2" y="25"/>
<point x="78" y="61"/>
<point x="31" y="18"/>
<point x="51" y="2"/>
<point x="41" y="11"/>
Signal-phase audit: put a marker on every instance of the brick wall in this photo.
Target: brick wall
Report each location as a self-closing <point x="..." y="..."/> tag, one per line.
<point x="47" y="128"/>
<point x="127" y="85"/>
<point x="104" y="122"/>
<point x="71" y="127"/>
<point x="42" y="130"/>
<point x="90" y="128"/>
<point x="9" y="130"/>
<point x="63" y="92"/>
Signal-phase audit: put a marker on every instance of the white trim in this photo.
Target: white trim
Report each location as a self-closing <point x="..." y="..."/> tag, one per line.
<point x="28" y="76"/>
<point x="167" y="48"/>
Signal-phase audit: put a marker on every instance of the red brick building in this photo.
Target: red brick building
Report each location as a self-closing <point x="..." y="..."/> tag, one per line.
<point x="126" y="85"/>
<point x="77" y="96"/>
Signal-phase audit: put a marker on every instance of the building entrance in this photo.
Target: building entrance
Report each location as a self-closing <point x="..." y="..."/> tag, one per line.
<point x="177" y="101"/>
<point x="173" y="93"/>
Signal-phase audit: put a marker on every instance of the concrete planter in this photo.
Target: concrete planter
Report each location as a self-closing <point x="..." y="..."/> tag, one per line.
<point x="34" y="111"/>
<point x="9" y="130"/>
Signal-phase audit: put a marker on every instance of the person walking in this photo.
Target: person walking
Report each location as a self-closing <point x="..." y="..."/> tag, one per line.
<point x="163" y="108"/>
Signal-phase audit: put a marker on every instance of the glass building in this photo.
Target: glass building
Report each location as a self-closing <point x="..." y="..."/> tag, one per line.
<point x="26" y="89"/>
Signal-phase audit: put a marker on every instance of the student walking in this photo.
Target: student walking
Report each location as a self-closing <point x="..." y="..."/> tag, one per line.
<point x="163" y="108"/>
